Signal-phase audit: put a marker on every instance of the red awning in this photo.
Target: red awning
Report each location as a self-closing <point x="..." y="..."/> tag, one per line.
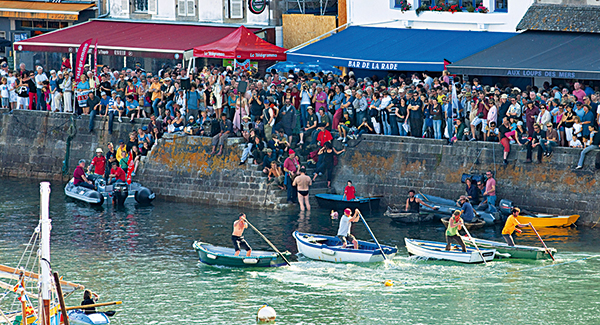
<point x="241" y="44"/>
<point x="127" y="39"/>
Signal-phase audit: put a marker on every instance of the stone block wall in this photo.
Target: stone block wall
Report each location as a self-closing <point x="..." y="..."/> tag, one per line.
<point x="391" y="166"/>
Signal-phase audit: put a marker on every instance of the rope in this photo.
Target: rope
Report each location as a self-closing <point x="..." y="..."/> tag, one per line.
<point x="479" y="154"/>
<point x="16" y="119"/>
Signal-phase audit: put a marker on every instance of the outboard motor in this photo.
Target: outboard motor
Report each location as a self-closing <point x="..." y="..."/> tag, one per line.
<point x="144" y="196"/>
<point x="120" y="193"/>
<point x="506" y="207"/>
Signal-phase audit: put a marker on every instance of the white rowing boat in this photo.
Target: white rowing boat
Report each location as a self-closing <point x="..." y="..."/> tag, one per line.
<point x="437" y="250"/>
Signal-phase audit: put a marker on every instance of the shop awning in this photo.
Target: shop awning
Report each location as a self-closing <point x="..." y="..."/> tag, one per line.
<point x="42" y="10"/>
<point x="241" y="44"/>
<point x="130" y="39"/>
<point x="376" y="48"/>
<point x="563" y="55"/>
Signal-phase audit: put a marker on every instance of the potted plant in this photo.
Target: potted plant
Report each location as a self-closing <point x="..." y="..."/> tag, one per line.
<point x="482" y="9"/>
<point x="470" y="8"/>
<point x="422" y="8"/>
<point x="404" y="6"/>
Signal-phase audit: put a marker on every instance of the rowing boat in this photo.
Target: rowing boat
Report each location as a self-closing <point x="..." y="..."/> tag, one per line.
<point x="329" y="248"/>
<point x="408" y="216"/>
<point x="548" y="220"/>
<point x="436" y="250"/>
<point x="469" y="225"/>
<point x="79" y="317"/>
<point x="337" y="202"/>
<point x="224" y="256"/>
<point x="517" y="251"/>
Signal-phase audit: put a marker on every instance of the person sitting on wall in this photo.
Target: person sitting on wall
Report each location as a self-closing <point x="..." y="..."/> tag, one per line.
<point x="221" y="138"/>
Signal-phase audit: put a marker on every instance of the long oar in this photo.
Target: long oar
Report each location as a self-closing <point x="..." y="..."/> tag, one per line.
<point x="546" y="247"/>
<point x="475" y="244"/>
<point x="375" y="239"/>
<point x="95" y="305"/>
<point x="268" y="242"/>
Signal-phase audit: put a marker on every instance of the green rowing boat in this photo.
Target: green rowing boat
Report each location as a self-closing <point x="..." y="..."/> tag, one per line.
<point x="224" y="256"/>
<point x="517" y="251"/>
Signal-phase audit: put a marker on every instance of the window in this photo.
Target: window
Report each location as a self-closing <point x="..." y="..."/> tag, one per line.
<point x="501" y="5"/>
<point x="236" y="9"/>
<point x="186" y="7"/>
<point x="141" y="5"/>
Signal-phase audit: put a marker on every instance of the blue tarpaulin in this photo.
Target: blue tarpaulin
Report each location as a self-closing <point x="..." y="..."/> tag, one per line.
<point x="400" y="49"/>
<point x="315" y="67"/>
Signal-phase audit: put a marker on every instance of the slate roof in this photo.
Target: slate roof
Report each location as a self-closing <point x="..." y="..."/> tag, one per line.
<point x="563" y="18"/>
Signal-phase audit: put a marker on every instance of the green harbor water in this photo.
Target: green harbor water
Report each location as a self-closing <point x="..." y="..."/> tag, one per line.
<point x="143" y="256"/>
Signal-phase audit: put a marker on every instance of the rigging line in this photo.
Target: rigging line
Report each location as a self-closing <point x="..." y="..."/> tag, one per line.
<point x="21" y="259"/>
<point x="479" y="154"/>
<point x="29" y="258"/>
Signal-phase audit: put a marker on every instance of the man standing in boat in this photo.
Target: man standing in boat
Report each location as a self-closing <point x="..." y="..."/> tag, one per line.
<point x="237" y="237"/>
<point x="345" y="225"/>
<point x="511" y="226"/>
<point x="413" y="203"/>
<point x="454" y="225"/>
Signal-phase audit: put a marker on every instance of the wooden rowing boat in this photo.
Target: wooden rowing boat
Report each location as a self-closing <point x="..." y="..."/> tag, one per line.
<point x="548" y="220"/>
<point x="468" y="225"/>
<point x="224" y="256"/>
<point x="437" y="250"/>
<point x="408" y="216"/>
<point x="329" y="248"/>
<point x="517" y="251"/>
<point x="336" y="202"/>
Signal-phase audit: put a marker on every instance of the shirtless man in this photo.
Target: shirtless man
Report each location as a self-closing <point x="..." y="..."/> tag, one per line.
<point x="237" y="237"/>
<point x="303" y="182"/>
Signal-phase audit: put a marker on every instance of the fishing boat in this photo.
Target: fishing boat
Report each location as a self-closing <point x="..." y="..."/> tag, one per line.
<point x="78" y="317"/>
<point x="329" y="248"/>
<point x="39" y="294"/>
<point x="398" y="215"/>
<point x="446" y="207"/>
<point x="436" y="250"/>
<point x="337" y="202"/>
<point x="539" y="220"/>
<point x="224" y="256"/>
<point x="469" y="225"/>
<point x="517" y="251"/>
<point x="117" y="194"/>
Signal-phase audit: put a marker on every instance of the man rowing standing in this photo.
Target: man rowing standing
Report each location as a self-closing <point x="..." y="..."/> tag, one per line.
<point x="237" y="237"/>
<point x="511" y="226"/>
<point x="344" y="229"/>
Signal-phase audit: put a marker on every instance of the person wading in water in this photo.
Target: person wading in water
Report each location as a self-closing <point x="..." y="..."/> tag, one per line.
<point x="237" y="237"/>
<point x="412" y="203"/>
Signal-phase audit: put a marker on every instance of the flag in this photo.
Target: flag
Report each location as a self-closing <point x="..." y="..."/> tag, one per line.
<point x="454" y="100"/>
<point x="130" y="166"/>
<point x="95" y="57"/>
<point x="81" y="55"/>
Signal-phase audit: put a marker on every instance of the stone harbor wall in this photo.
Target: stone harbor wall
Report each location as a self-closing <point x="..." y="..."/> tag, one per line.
<point x="179" y="168"/>
<point x="33" y="143"/>
<point x="391" y="166"/>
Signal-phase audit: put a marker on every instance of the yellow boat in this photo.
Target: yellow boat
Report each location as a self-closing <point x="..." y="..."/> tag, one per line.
<point x="548" y="220"/>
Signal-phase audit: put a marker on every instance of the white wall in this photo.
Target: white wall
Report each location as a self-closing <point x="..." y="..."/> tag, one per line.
<point x="262" y="19"/>
<point x="165" y="10"/>
<point x="380" y="13"/>
<point x="119" y="8"/>
<point x="210" y="11"/>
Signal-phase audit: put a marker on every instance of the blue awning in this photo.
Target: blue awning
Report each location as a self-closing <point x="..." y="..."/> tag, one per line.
<point x="377" y="48"/>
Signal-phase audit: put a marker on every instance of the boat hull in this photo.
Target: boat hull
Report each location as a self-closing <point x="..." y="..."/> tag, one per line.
<point x="446" y="207"/>
<point x="335" y="202"/>
<point x="545" y="220"/>
<point x="78" y="317"/>
<point x="408" y="217"/>
<point x="135" y="193"/>
<point x="468" y="225"/>
<point x="436" y="250"/>
<point x="517" y="251"/>
<point x="223" y="256"/>
<point x="328" y="248"/>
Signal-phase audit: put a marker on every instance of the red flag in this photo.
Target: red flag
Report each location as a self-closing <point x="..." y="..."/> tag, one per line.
<point x="95" y="58"/>
<point x="130" y="166"/>
<point x="81" y="55"/>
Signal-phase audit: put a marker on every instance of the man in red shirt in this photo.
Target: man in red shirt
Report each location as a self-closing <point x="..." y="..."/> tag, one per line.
<point x="99" y="163"/>
<point x="116" y="174"/>
<point x="324" y="137"/>
<point x="349" y="192"/>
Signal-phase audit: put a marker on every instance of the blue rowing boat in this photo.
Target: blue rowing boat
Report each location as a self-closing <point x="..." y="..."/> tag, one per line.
<point x="336" y="202"/>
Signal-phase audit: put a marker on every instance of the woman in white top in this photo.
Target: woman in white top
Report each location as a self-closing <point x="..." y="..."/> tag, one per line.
<point x="67" y="87"/>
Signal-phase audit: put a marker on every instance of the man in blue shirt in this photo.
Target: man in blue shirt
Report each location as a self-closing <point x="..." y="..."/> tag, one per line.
<point x="588" y="120"/>
<point x="131" y="108"/>
<point x="467" y="209"/>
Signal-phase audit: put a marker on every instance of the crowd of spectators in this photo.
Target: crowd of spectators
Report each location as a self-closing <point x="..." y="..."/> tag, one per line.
<point x="278" y="112"/>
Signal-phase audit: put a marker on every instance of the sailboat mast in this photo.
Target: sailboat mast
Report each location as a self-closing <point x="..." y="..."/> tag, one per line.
<point x="45" y="276"/>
